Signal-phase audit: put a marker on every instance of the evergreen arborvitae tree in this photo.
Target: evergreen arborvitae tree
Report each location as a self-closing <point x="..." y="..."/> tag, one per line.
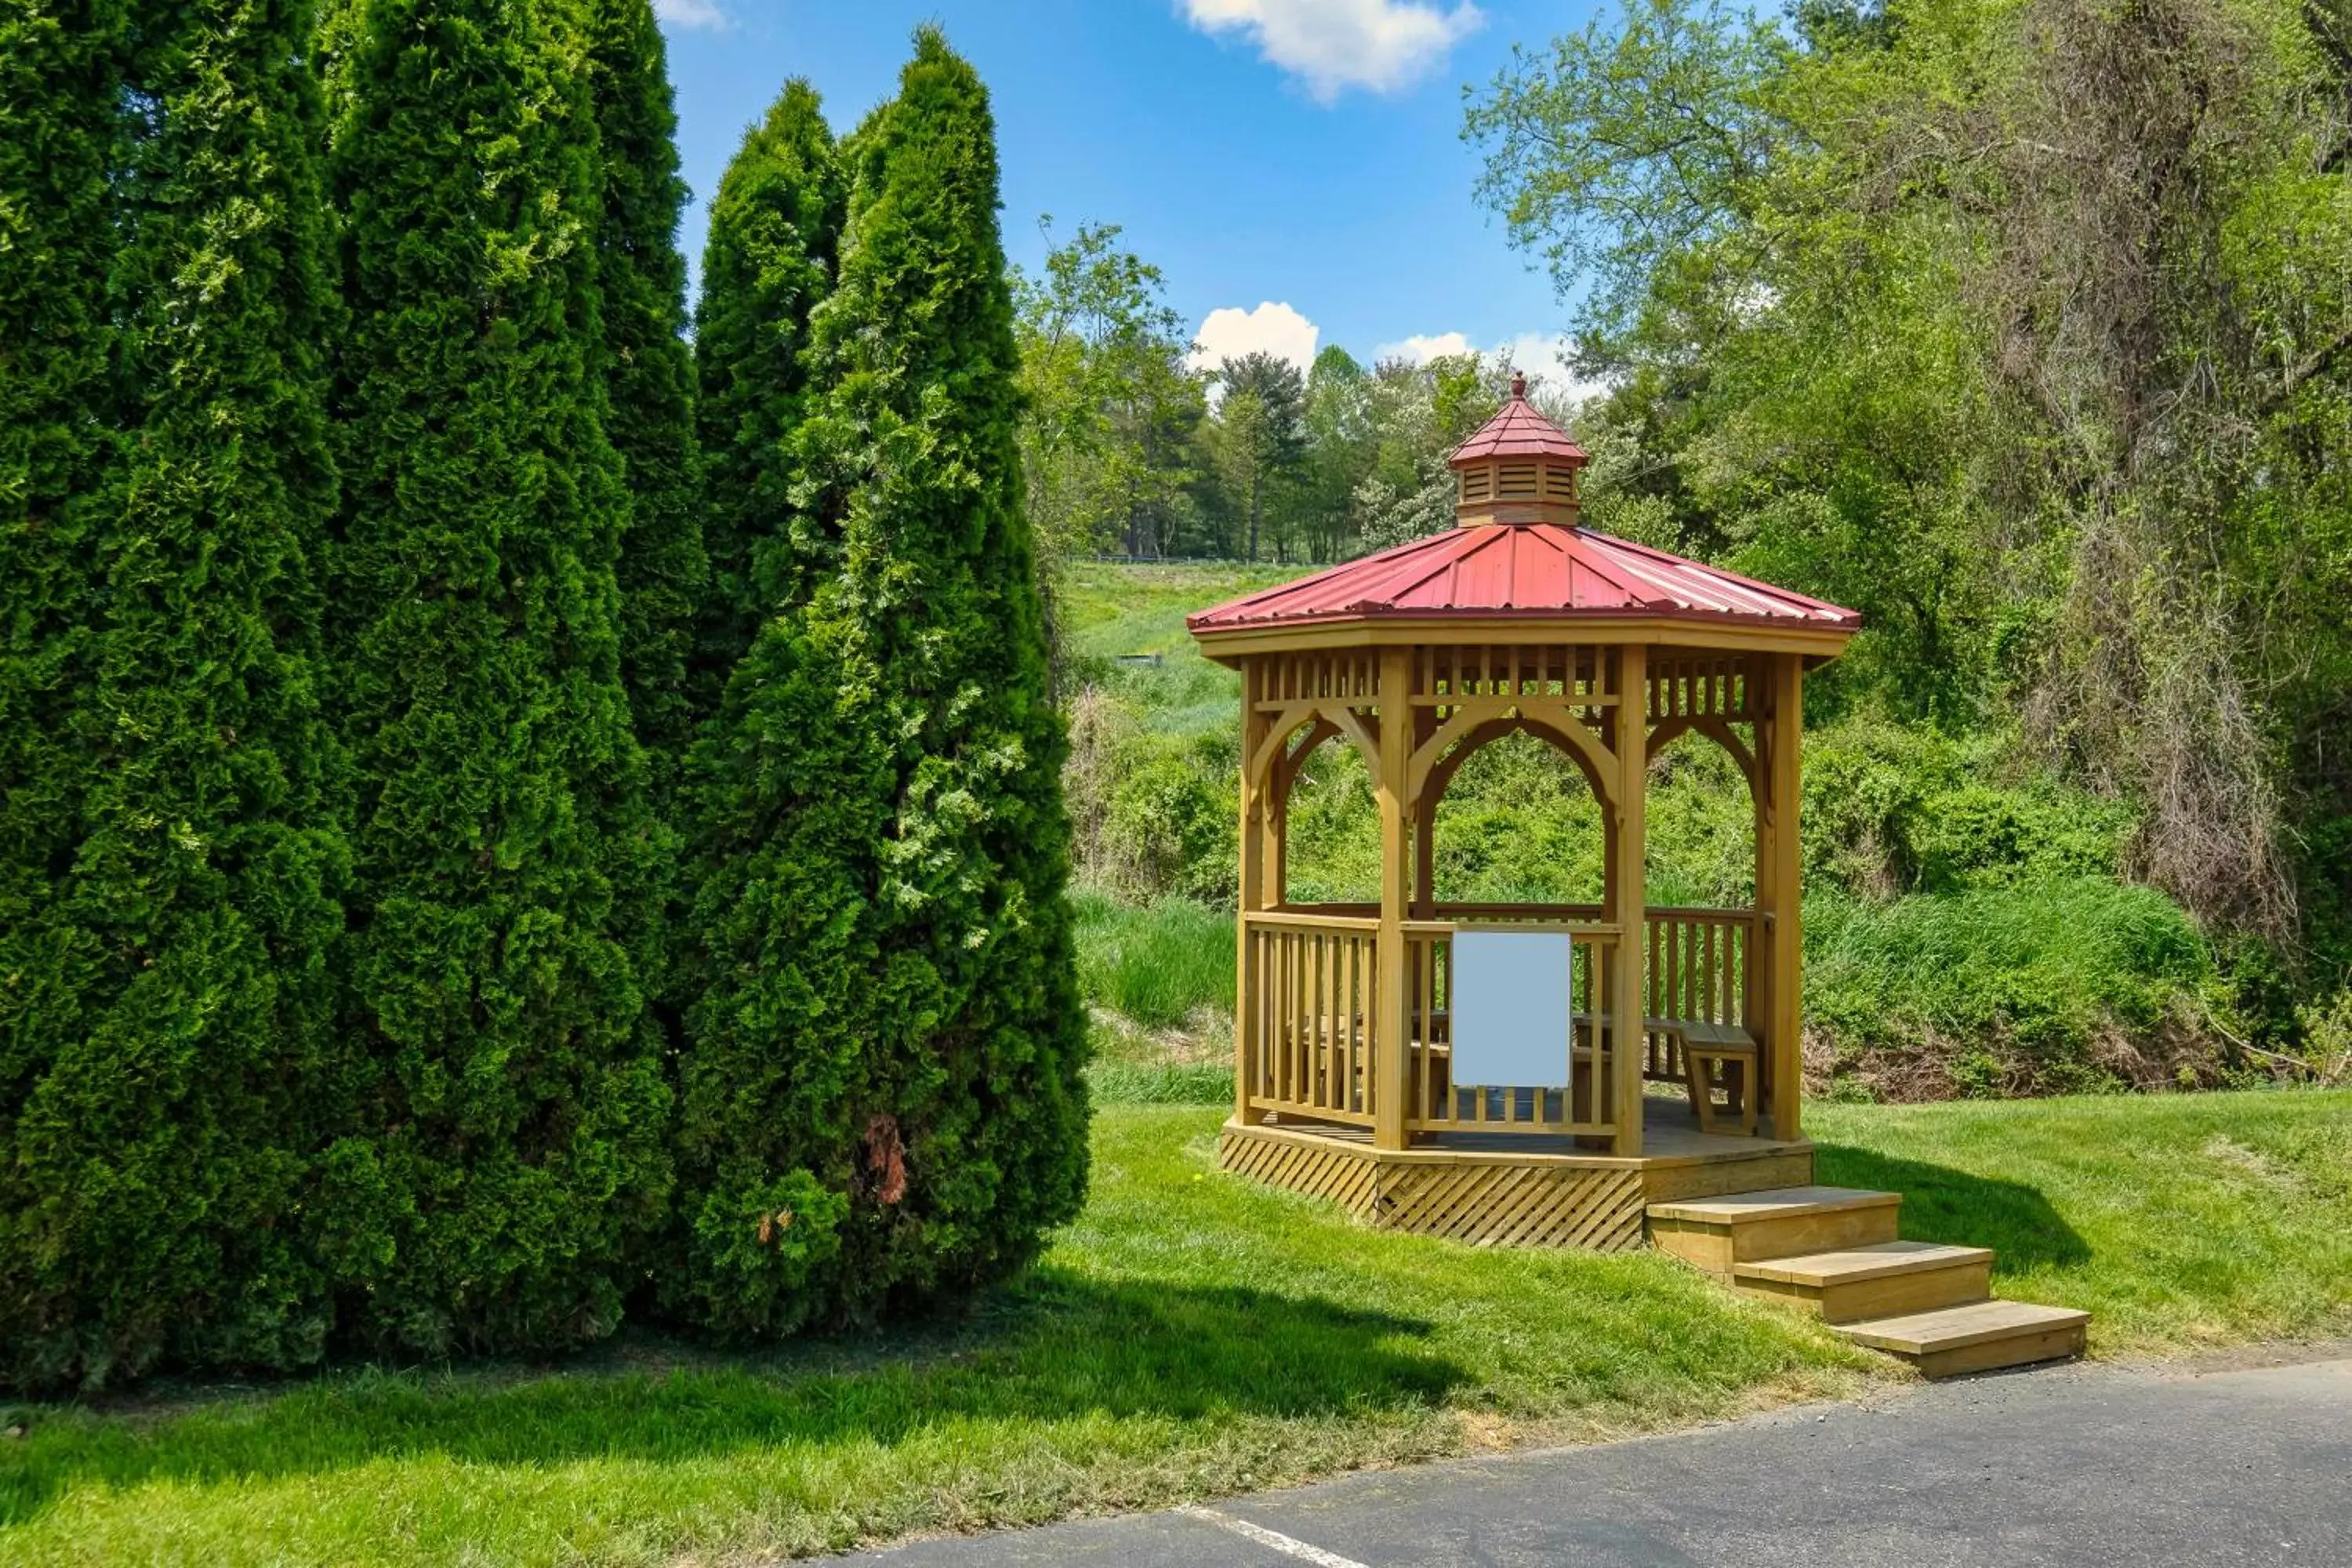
<point x="774" y="229"/>
<point x="649" y="372"/>
<point x="882" y="1095"/>
<point x="60" y="97"/>
<point x="172" y="1141"/>
<point x="506" y="892"/>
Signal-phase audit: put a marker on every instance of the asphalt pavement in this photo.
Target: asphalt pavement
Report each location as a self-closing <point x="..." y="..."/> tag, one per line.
<point x="2072" y="1466"/>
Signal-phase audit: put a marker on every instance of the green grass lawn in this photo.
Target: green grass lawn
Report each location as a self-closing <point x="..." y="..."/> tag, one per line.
<point x="1191" y="1335"/>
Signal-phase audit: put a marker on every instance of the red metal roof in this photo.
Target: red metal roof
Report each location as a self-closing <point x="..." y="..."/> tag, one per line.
<point x="1533" y="570"/>
<point x="1517" y="430"/>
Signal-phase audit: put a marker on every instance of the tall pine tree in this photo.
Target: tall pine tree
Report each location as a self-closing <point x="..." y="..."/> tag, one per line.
<point x="649" y="371"/>
<point x="883" y="1091"/>
<point x="60" y="121"/>
<point x="172" y="1138"/>
<point x="506" y="888"/>
<point x="775" y="228"/>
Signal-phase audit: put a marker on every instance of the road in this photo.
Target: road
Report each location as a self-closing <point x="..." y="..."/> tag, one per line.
<point x="2080" y="1466"/>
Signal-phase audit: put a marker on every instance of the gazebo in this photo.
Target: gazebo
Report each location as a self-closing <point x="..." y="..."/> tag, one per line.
<point x="1479" y="1070"/>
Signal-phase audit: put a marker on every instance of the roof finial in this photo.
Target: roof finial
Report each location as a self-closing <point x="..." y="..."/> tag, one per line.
<point x="1520" y="386"/>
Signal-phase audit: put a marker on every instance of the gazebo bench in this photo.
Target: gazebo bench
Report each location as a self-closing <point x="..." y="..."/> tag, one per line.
<point x="1716" y="1059"/>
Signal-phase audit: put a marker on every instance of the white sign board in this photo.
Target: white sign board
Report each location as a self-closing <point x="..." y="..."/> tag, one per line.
<point x="1508" y="993"/>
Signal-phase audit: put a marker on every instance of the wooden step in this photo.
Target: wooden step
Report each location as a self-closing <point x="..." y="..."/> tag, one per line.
<point x="1718" y="1233"/>
<point x="1884" y="1280"/>
<point x="1975" y="1338"/>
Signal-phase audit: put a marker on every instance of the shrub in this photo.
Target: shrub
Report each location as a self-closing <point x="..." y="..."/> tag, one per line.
<point x="2051" y="987"/>
<point x="648" y="373"/>
<point x="60" y="88"/>
<point x="891" y="1015"/>
<point x="166" y="1154"/>
<point x="775" y="228"/>
<point x="509" y="1163"/>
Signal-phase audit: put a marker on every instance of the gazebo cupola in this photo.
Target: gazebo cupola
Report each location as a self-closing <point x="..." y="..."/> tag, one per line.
<point x="1518" y="468"/>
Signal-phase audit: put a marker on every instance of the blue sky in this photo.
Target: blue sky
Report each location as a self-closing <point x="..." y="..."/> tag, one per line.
<point x="1306" y="153"/>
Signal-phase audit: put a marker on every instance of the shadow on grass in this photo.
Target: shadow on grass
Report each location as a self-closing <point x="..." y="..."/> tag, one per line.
<point x="1940" y="1204"/>
<point x="1053" y="1347"/>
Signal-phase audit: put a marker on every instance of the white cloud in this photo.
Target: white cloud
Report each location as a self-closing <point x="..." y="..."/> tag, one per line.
<point x="1382" y="44"/>
<point x="1422" y="347"/>
<point x="1544" y="357"/>
<point x="700" y="16"/>
<point x="1272" y="328"/>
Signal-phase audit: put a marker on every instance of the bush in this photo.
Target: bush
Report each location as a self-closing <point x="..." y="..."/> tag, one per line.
<point x="1895" y="809"/>
<point x="163" y="1159"/>
<point x="2061" y="986"/>
<point x="508" y="1163"/>
<point x="891" y="1013"/>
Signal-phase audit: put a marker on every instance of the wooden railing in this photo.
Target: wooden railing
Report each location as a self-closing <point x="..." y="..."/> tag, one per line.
<point x="1440" y="1104"/>
<point x="1309" y="990"/>
<point x="1310" y="1011"/>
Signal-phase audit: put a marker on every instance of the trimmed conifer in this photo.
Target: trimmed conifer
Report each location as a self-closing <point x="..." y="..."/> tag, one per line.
<point x="172" y="1141"/>
<point x="775" y="226"/>
<point x="883" y="1098"/>
<point x="60" y="97"/>
<point x="507" y="887"/>
<point x="649" y="372"/>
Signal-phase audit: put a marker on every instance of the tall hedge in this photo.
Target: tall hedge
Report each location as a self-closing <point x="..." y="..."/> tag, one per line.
<point x="883" y="1097"/>
<point x="510" y="1157"/>
<point x="60" y="88"/>
<point x="775" y="226"/>
<point x="649" y="371"/>
<point x="172" y="1141"/>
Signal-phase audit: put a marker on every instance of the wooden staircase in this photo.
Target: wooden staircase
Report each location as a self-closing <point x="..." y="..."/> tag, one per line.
<point x="1832" y="1252"/>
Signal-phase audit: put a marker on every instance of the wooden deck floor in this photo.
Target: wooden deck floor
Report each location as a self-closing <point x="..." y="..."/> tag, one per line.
<point x="1670" y="1135"/>
<point x="1525" y="1190"/>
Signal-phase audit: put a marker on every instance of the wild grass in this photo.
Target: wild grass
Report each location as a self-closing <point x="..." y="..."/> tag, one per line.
<point x="1159" y="965"/>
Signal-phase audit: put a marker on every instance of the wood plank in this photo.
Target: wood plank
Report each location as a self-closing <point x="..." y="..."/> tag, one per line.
<point x="1631" y="849"/>
<point x="1783" y="1032"/>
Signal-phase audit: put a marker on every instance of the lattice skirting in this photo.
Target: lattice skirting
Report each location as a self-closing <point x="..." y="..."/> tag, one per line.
<point x="1485" y="1204"/>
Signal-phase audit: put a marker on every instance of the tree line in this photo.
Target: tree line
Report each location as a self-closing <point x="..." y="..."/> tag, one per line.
<point x="1132" y="447"/>
<point x="509" y="815"/>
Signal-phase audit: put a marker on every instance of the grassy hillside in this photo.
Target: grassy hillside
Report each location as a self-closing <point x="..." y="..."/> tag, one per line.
<point x="1968" y="929"/>
<point x="1192" y="1335"/>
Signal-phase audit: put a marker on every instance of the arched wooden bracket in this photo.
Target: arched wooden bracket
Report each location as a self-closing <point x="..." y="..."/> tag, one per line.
<point x="1668" y="731"/>
<point x="1285" y="766"/>
<point x="1322" y="720"/>
<point x="1430" y="792"/>
<point x="1550" y="720"/>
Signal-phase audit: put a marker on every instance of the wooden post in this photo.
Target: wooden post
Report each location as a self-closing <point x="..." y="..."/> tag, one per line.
<point x="1254" y="727"/>
<point x="1628" y="911"/>
<point x="1784" y="982"/>
<point x="1424" y="830"/>
<point x="1756" y="672"/>
<point x="1392" y="1055"/>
